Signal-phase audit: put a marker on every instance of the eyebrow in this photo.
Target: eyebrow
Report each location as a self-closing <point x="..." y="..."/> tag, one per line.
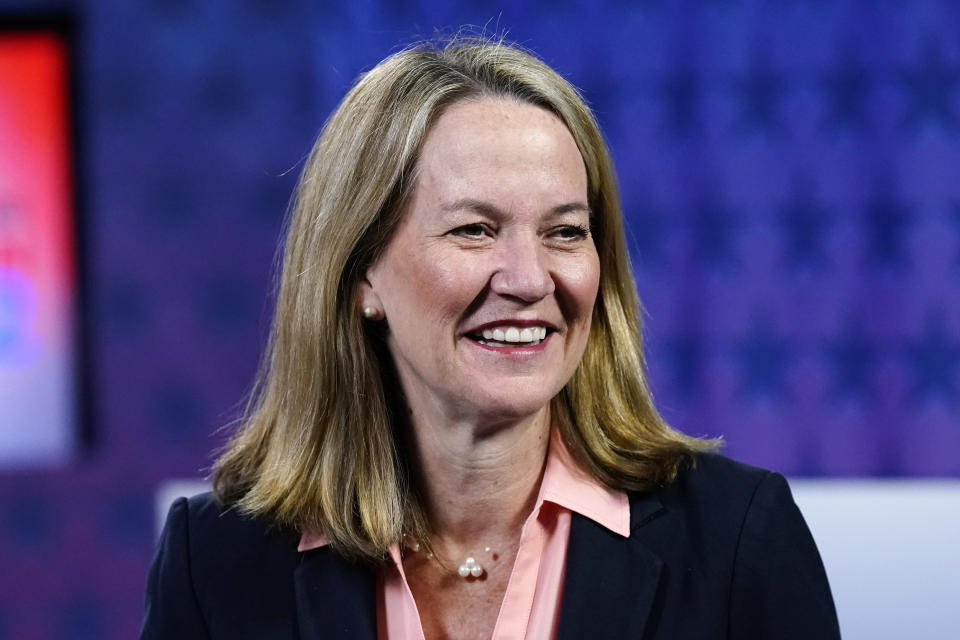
<point x="490" y="210"/>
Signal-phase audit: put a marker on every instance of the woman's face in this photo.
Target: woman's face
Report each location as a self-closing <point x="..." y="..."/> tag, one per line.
<point x="489" y="283"/>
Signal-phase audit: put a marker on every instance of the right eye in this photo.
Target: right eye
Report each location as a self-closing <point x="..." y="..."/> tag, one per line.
<point x="475" y="231"/>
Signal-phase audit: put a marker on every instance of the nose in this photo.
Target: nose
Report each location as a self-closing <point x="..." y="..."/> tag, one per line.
<point x="522" y="271"/>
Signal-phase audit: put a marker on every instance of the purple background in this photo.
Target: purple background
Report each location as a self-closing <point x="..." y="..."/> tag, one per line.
<point x="790" y="172"/>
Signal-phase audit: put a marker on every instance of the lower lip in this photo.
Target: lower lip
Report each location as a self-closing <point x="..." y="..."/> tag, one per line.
<point x="518" y="351"/>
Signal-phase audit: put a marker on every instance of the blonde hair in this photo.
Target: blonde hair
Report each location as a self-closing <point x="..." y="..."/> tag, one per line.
<point x="319" y="447"/>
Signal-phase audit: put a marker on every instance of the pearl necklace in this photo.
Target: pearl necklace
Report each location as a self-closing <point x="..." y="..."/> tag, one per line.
<point x="469" y="568"/>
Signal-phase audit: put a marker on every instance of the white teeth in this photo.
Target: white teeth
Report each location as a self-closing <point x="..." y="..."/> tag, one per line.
<point x="515" y="334"/>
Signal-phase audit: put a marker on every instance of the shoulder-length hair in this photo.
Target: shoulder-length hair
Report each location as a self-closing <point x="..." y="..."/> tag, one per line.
<point x="319" y="448"/>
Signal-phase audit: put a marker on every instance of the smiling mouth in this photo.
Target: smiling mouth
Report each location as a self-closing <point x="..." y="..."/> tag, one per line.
<point x="511" y="337"/>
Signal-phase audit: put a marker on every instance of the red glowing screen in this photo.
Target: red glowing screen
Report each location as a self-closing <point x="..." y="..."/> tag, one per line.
<point x="38" y="292"/>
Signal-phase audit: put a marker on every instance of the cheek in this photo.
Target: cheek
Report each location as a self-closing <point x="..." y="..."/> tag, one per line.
<point x="431" y="289"/>
<point x="581" y="283"/>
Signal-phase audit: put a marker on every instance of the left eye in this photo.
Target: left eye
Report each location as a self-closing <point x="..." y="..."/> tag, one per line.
<point x="570" y="232"/>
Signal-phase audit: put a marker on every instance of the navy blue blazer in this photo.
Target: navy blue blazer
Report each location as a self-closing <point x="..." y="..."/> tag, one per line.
<point x="722" y="552"/>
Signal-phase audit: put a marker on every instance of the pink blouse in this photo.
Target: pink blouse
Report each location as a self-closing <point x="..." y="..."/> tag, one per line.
<point x="531" y="604"/>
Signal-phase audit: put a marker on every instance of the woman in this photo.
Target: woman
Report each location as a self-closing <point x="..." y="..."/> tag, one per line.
<point x="453" y="436"/>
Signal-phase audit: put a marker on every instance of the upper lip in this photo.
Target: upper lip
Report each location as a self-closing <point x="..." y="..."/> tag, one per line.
<point x="511" y="322"/>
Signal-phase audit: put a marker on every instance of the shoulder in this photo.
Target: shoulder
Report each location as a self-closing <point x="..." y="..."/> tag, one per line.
<point x="222" y="541"/>
<point x="716" y="487"/>
<point x="732" y="533"/>
<point x="220" y="573"/>
<point x="207" y="518"/>
<point x="711" y="498"/>
<point x="714" y="473"/>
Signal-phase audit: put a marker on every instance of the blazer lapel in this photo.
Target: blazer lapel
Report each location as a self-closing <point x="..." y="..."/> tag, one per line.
<point x="611" y="581"/>
<point x="336" y="599"/>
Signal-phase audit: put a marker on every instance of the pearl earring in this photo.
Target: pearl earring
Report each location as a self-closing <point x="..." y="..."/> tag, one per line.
<point x="371" y="313"/>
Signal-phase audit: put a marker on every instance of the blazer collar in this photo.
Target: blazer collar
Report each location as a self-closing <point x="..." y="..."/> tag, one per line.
<point x="336" y="599"/>
<point x="608" y="593"/>
<point x="611" y="581"/>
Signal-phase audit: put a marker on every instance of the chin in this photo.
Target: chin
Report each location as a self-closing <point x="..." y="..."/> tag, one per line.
<point x="515" y="408"/>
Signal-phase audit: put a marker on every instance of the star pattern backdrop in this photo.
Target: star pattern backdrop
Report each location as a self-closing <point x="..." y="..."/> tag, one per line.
<point x="790" y="174"/>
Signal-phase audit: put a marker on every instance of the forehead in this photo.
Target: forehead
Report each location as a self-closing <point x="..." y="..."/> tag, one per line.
<point x="503" y="147"/>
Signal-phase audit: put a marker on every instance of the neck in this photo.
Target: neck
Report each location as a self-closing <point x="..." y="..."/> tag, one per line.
<point x="479" y="481"/>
